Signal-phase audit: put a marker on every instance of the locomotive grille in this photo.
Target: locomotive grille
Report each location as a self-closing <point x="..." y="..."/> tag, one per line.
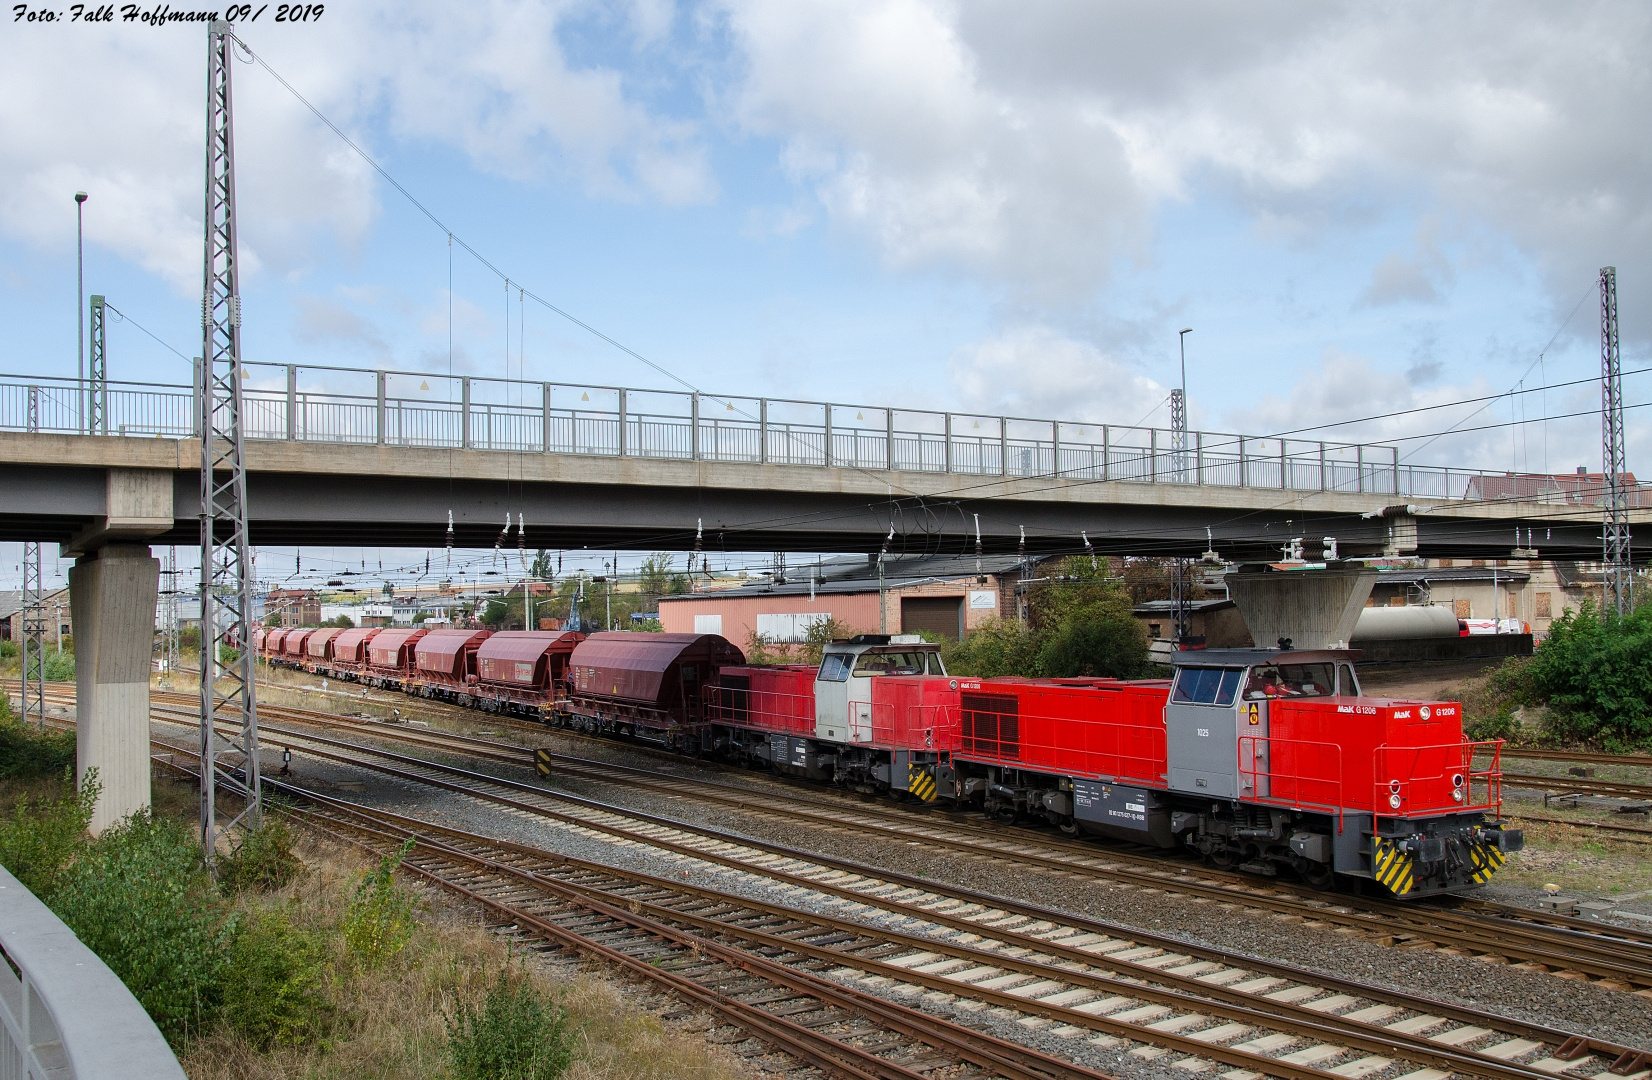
<point x="991" y="724"/>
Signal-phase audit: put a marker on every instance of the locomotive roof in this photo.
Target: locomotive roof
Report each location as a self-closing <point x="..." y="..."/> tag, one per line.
<point x="1250" y="657"/>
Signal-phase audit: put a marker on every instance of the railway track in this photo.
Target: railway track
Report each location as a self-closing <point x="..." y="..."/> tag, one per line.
<point x="1074" y="977"/>
<point x="1570" y="947"/>
<point x="779" y="998"/>
<point x="1070" y="980"/>
<point x="1579" y="785"/>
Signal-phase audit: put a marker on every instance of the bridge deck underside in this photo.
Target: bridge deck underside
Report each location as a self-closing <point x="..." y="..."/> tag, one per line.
<point x="344" y="508"/>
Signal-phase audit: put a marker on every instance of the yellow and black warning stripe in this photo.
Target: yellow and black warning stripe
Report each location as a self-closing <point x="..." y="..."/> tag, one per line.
<point x="1486" y="860"/>
<point x="542" y="762"/>
<point x="920" y="781"/>
<point x="1391" y="866"/>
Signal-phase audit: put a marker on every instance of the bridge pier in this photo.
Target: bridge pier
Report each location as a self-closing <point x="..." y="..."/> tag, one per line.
<point x="1315" y="609"/>
<point x="112" y="593"/>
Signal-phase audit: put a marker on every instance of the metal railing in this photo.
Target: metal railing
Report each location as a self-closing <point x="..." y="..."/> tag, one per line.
<point x="397" y="408"/>
<point x="63" y="1014"/>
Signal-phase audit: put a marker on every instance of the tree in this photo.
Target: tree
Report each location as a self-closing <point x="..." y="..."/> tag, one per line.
<point x="1595" y="673"/>
<point x="495" y="614"/>
<point x="1080" y="623"/>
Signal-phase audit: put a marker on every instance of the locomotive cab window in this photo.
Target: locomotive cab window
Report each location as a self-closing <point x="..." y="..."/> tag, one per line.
<point x="1206" y="685"/>
<point x="835" y="667"/>
<point x="1347" y="685"/>
<point x="1290" y="680"/>
<point x="906" y="662"/>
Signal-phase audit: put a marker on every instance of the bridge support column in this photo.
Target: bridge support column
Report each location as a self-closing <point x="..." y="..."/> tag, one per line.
<point x="112" y="594"/>
<point x="1314" y="609"/>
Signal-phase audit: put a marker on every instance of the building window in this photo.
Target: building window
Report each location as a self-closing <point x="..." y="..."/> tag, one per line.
<point x="1462" y="609"/>
<point x="1545" y="605"/>
<point x="1154" y="629"/>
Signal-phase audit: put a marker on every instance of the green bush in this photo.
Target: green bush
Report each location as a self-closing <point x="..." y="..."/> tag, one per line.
<point x="26" y="751"/>
<point x="264" y="860"/>
<point x="516" y="1034"/>
<point x="1595" y="673"/>
<point x="8" y="649"/>
<point x="275" y="984"/>
<point x="60" y="667"/>
<point x="1080" y="624"/>
<point x="138" y="897"/>
<point x="997" y="647"/>
<point x="40" y="840"/>
<point x="379" y="922"/>
<point x="1101" y="638"/>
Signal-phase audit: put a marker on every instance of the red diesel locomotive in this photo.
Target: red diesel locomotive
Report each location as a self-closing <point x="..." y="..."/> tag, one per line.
<point x="1259" y="759"/>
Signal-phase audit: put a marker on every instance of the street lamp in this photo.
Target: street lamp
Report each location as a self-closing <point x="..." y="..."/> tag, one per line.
<point x="80" y="303"/>
<point x="1182" y="337"/>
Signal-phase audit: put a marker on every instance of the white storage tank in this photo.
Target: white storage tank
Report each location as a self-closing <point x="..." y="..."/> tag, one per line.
<point x="1404" y="623"/>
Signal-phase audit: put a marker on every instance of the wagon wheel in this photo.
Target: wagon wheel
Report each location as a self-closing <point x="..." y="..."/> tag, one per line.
<point x="1068" y="826"/>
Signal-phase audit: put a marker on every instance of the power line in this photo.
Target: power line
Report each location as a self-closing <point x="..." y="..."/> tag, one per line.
<point x="127" y="318"/>
<point x="453" y="237"/>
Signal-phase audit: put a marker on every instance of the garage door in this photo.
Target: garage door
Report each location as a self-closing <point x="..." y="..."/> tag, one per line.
<point x="943" y="615"/>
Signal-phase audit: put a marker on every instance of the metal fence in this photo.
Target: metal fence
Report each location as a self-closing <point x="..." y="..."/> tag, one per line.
<point x="63" y="1014"/>
<point x="395" y="408"/>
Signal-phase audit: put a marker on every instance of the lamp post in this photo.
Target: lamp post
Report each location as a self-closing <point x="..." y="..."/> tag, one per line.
<point x="1182" y="338"/>
<point x="80" y="307"/>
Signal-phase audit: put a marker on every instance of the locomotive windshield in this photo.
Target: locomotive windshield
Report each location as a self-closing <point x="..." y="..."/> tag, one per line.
<point x="835" y="667"/>
<point x="1291" y="680"/>
<point x="901" y="662"/>
<point x="1206" y="685"/>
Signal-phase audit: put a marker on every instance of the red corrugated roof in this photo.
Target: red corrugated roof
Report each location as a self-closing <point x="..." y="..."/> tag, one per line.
<point x="293" y="643"/>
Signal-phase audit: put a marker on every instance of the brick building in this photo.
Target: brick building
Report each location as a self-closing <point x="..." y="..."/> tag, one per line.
<point x="940" y="594"/>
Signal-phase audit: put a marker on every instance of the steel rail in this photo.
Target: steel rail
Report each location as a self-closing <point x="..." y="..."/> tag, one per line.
<point x="1578" y="1044"/>
<point x="1191" y="994"/>
<point x="1569" y="1047"/>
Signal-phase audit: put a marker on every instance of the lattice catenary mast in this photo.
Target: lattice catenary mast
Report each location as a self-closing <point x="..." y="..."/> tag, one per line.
<point x="1617" y="570"/>
<point x="97" y="416"/>
<point x="226" y="564"/>
<point x="34" y="637"/>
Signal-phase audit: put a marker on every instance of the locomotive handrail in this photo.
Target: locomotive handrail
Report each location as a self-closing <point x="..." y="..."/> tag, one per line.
<point x="573" y="418"/>
<point x="1255" y="772"/>
<point x="1392" y="785"/>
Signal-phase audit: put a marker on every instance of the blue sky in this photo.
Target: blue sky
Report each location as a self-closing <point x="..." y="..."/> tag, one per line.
<point x="954" y="206"/>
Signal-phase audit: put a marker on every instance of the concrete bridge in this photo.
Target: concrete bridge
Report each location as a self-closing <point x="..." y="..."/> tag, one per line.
<point x="382" y="459"/>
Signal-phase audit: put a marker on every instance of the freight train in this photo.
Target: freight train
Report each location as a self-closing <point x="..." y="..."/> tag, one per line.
<point x="1264" y="760"/>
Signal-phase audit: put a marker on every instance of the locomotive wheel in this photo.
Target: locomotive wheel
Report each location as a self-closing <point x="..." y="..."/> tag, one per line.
<point x="1068" y="827"/>
<point x="1005" y="816"/>
<point x="1319" y="876"/>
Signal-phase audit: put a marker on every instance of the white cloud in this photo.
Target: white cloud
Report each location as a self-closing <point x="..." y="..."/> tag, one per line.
<point x="1032" y="143"/>
<point x="119" y="113"/>
<point x="1036" y="372"/>
<point x="1435" y="425"/>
